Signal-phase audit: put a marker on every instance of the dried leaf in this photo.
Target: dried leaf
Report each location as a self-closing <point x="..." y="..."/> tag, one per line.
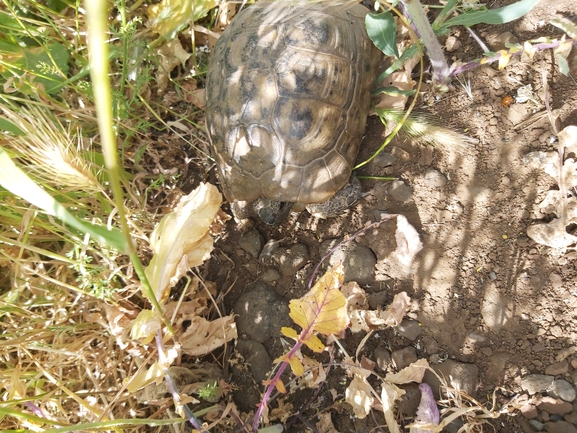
<point x="401" y="80"/>
<point x="568" y="138"/>
<point x="170" y="55"/>
<point x="181" y="239"/>
<point x="389" y="395"/>
<point x="562" y="53"/>
<point x="569" y="174"/>
<point x="552" y="234"/>
<point x="412" y="373"/>
<point x="362" y="319"/>
<point x="325" y="424"/>
<point x="359" y="396"/>
<point x="145" y="326"/>
<point x="323" y="308"/>
<point x="155" y="373"/>
<point x="315" y="373"/>
<point x="395" y="312"/>
<point x="203" y="336"/>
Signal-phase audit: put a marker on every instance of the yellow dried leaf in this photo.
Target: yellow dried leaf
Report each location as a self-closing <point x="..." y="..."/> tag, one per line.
<point x="323" y="308"/>
<point x="296" y="366"/>
<point x="314" y="343"/>
<point x="529" y="49"/>
<point x="145" y="326"/>
<point x="289" y="333"/>
<point x="154" y="374"/>
<point x="294" y="362"/>
<point x="504" y="59"/>
<point x="181" y="239"/>
<point x="280" y="386"/>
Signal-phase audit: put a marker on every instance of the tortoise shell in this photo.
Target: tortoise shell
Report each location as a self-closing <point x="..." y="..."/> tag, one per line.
<point x="288" y="95"/>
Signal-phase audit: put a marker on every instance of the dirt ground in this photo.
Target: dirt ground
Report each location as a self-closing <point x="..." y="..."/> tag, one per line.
<point x="483" y="293"/>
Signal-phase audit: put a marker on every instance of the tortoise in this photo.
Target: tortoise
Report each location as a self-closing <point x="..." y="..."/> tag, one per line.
<point x="288" y="94"/>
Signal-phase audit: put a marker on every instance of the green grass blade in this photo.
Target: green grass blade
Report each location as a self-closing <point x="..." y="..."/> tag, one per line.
<point x="18" y="183"/>
<point x="493" y="16"/>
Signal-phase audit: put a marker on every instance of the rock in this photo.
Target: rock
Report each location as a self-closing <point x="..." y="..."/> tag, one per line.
<point x="555" y="406"/>
<point x="560" y="427"/>
<point x="410" y="329"/>
<point x="404" y="357"/>
<point x="270" y="275"/>
<point x="563" y="390"/>
<point x="292" y="259"/>
<point x="496" y="309"/>
<point x="534" y="383"/>
<point x="256" y="356"/>
<point x="261" y="313"/>
<point x="571" y="417"/>
<point x="410" y="400"/>
<point x="382" y="358"/>
<point x="434" y="178"/>
<point x="384" y="159"/>
<point x="359" y="261"/>
<point x="557" y="368"/>
<point x="400" y="192"/>
<point x="454" y="426"/>
<point x="458" y="375"/>
<point x="529" y="411"/>
<point x="251" y="242"/>
<point x="537" y="425"/>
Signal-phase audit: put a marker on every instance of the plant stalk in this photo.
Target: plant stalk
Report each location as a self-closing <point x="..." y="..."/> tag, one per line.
<point x="416" y="13"/>
<point x="97" y="13"/>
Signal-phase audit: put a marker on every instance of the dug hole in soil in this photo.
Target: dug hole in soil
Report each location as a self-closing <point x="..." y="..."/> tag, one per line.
<point x="491" y="303"/>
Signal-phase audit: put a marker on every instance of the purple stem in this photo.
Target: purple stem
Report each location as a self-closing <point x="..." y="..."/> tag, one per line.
<point x="496" y="56"/>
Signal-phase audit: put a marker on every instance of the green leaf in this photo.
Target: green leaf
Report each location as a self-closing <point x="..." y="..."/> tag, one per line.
<point x="492" y="16"/>
<point x="393" y="91"/>
<point x="45" y="65"/>
<point x="407" y="54"/>
<point x="18" y="183"/>
<point x="8" y="126"/>
<point x="382" y="30"/>
<point x="447" y="10"/>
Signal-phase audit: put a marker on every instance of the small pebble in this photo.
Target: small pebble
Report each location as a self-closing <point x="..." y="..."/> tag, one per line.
<point x="560" y="427"/>
<point x="384" y="159"/>
<point x="557" y="368"/>
<point x="400" y="192"/>
<point x="537" y="425"/>
<point x="270" y="275"/>
<point x="404" y="357"/>
<point x="251" y="242"/>
<point x="383" y="358"/>
<point x="358" y="260"/>
<point x="409" y="329"/>
<point x="563" y="390"/>
<point x="555" y="406"/>
<point x="434" y="178"/>
<point x="534" y="383"/>
<point x="292" y="259"/>
<point x="261" y="313"/>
